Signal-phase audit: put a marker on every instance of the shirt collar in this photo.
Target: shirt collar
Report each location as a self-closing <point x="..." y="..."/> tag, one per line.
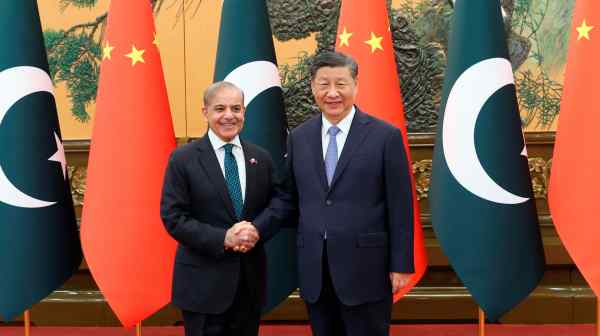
<point x="343" y="125"/>
<point x="218" y="143"/>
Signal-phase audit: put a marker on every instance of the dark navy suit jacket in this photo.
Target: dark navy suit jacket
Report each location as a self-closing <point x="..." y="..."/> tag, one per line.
<point x="367" y="211"/>
<point x="197" y="211"/>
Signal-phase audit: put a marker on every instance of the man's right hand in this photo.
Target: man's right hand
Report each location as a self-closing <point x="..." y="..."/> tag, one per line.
<point x="241" y="237"/>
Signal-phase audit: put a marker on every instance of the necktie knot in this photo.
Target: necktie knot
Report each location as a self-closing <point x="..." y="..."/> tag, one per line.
<point x="333" y="130"/>
<point x="228" y="148"/>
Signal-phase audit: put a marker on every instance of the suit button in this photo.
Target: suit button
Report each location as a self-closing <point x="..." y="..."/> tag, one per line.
<point x="328" y="202"/>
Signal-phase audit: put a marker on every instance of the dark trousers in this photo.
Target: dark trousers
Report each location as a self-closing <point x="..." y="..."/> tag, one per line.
<point x="240" y="319"/>
<point x="330" y="317"/>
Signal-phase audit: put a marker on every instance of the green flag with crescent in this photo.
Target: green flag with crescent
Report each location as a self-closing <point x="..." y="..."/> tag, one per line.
<point x="482" y="203"/>
<point x="246" y="57"/>
<point x="39" y="243"/>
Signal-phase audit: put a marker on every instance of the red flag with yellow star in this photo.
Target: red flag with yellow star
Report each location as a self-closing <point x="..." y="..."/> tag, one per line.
<point x="364" y="33"/>
<point x="573" y="182"/>
<point x="126" y="247"/>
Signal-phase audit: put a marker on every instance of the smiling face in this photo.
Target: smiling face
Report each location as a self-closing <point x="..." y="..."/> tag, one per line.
<point x="335" y="92"/>
<point x="224" y="112"/>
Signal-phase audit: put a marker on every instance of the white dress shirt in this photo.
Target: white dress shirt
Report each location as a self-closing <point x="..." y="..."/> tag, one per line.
<point x="237" y="151"/>
<point x="343" y="125"/>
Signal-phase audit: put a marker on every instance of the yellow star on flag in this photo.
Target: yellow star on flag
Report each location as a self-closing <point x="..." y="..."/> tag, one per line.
<point x="106" y="51"/>
<point x="584" y="31"/>
<point x="345" y="38"/>
<point x="136" y="55"/>
<point x="375" y="42"/>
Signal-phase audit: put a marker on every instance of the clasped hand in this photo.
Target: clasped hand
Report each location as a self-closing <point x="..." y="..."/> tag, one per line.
<point x="241" y="237"/>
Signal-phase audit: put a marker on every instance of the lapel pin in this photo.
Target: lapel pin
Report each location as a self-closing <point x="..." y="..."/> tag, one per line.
<point x="253" y="161"/>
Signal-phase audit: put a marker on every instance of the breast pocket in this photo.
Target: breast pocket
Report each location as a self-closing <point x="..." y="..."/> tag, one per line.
<point x="363" y="157"/>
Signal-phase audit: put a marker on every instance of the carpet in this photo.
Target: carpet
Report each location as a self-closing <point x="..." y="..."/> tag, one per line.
<point x="304" y="330"/>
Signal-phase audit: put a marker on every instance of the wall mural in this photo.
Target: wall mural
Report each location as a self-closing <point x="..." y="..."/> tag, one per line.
<point x="538" y="32"/>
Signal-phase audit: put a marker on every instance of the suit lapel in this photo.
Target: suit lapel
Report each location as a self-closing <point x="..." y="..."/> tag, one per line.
<point x="356" y="136"/>
<point x="210" y="163"/>
<point x="316" y="147"/>
<point x="250" y="179"/>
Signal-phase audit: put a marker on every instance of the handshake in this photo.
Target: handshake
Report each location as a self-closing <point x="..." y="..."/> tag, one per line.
<point x="241" y="237"/>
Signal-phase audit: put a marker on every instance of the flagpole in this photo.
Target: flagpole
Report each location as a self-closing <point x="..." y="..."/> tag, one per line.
<point x="597" y="317"/>
<point x="26" y="322"/>
<point x="481" y="322"/>
<point x="138" y="329"/>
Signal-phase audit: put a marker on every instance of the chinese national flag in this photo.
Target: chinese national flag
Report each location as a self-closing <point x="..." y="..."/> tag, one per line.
<point x="364" y="33"/>
<point x="128" y="251"/>
<point x="574" y="183"/>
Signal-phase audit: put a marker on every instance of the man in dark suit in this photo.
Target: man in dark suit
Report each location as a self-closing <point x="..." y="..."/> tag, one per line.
<point x="210" y="185"/>
<point x="346" y="178"/>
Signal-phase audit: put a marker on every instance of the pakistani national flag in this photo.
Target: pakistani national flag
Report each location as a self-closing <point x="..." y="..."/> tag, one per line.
<point x="482" y="203"/>
<point x="39" y="244"/>
<point x="246" y="57"/>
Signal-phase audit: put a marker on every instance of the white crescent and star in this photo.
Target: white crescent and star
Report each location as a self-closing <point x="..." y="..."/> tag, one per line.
<point x="465" y="101"/>
<point x="17" y="83"/>
<point x="254" y="78"/>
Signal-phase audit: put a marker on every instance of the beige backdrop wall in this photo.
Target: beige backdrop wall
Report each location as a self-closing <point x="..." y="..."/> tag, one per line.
<point x="188" y="43"/>
<point x="188" y="32"/>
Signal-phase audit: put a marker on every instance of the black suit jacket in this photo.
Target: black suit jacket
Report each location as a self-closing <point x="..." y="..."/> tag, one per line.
<point x="367" y="212"/>
<point x="197" y="211"/>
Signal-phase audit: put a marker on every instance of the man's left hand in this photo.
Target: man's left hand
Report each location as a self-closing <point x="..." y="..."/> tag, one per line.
<point x="247" y="234"/>
<point x="399" y="280"/>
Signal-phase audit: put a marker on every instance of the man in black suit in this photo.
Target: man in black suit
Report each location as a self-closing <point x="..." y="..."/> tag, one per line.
<point x="347" y="180"/>
<point x="210" y="185"/>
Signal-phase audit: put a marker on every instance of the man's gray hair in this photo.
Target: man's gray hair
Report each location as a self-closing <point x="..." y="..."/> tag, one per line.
<point x="210" y="91"/>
